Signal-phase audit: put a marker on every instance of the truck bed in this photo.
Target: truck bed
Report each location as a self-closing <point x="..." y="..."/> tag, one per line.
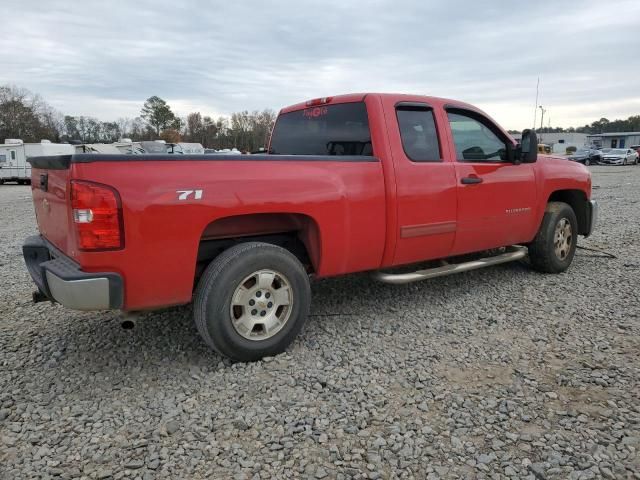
<point x="342" y="197"/>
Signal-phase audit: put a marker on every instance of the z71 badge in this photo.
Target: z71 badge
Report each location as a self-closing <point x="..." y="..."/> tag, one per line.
<point x="186" y="194"/>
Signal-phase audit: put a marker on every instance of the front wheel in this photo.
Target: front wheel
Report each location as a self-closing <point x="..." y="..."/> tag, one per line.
<point x="587" y="162"/>
<point x="252" y="301"/>
<point x="555" y="244"/>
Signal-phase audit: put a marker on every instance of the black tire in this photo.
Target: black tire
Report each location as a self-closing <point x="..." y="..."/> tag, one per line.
<point x="587" y="162"/>
<point x="212" y="308"/>
<point x="542" y="251"/>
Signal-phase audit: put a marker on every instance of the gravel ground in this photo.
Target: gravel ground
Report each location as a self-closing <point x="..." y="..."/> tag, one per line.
<point x="497" y="373"/>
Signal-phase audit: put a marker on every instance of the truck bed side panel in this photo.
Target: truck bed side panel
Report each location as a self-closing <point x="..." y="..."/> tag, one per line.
<point x="162" y="232"/>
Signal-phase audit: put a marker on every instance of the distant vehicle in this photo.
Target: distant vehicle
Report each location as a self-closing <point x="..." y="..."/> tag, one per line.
<point x="14" y="154"/>
<point x="636" y="148"/>
<point x="97" y="148"/>
<point x="174" y="148"/>
<point x="586" y="156"/>
<point x="156" y="147"/>
<point x="544" y="148"/>
<point x="127" y="147"/>
<point x="191" y="148"/>
<point x="620" y="156"/>
<point x="225" y="151"/>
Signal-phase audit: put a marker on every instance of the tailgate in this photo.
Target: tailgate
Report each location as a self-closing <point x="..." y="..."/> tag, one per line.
<point x="49" y="184"/>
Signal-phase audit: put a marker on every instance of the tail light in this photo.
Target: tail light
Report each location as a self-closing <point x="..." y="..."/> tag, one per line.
<point x="97" y="215"/>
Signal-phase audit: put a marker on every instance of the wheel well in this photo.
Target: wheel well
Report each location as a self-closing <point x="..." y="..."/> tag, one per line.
<point x="297" y="233"/>
<point x="577" y="200"/>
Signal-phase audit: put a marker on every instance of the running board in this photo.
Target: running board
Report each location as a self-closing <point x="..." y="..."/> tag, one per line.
<point x="512" y="254"/>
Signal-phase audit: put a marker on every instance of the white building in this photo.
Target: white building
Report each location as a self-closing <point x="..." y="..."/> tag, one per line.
<point x="615" y="140"/>
<point x="560" y="141"/>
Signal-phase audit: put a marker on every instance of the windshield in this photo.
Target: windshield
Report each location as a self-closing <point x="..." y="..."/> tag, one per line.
<point x="341" y="129"/>
<point x="582" y="152"/>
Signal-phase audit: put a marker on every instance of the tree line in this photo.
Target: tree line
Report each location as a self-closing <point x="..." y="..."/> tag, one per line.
<point x="27" y="116"/>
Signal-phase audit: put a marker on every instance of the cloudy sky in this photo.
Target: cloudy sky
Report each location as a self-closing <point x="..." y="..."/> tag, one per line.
<point x="104" y="59"/>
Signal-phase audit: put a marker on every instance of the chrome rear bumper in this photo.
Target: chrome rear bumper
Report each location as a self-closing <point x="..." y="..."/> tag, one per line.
<point x="60" y="279"/>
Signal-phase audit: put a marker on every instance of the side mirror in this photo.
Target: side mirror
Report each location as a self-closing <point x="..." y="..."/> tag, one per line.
<point x="527" y="151"/>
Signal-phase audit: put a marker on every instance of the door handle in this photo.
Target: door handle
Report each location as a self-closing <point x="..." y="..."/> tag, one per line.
<point x="44" y="182"/>
<point x="470" y="180"/>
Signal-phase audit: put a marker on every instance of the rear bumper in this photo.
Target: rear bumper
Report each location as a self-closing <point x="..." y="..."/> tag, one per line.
<point x="60" y="279"/>
<point x="592" y="216"/>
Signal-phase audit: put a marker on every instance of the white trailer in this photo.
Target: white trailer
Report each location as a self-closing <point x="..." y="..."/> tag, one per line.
<point x="192" y="148"/>
<point x="107" y="148"/>
<point x="14" y="154"/>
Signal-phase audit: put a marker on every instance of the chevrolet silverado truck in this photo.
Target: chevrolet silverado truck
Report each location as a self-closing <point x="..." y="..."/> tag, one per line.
<point x="351" y="183"/>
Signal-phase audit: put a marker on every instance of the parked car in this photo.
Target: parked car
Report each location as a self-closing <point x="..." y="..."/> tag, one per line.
<point x="636" y="148"/>
<point x="587" y="156"/>
<point x="362" y="182"/>
<point x="620" y="156"/>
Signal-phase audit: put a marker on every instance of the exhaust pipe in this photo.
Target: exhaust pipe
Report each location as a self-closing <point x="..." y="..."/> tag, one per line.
<point x="512" y="254"/>
<point x="129" y="320"/>
<point x="127" y="325"/>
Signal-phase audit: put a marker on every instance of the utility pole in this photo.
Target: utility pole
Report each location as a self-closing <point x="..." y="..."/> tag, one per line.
<point x="535" y="108"/>
<point x="542" y="110"/>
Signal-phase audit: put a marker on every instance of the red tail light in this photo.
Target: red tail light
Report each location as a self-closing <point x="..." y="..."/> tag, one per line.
<point x="97" y="215"/>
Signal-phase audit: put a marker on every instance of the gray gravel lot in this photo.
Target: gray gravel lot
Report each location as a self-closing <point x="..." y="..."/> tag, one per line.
<point x="497" y="373"/>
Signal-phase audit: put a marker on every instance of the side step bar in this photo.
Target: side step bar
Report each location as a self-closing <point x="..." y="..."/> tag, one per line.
<point x="512" y="254"/>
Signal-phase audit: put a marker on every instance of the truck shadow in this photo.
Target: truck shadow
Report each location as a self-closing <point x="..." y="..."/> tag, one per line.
<point x="97" y="348"/>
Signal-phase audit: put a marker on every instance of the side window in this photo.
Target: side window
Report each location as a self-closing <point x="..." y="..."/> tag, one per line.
<point x="474" y="140"/>
<point x="418" y="134"/>
<point x="3" y="158"/>
<point x="13" y="154"/>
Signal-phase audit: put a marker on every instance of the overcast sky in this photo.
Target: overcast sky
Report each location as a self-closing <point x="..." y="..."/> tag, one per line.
<point x="104" y="58"/>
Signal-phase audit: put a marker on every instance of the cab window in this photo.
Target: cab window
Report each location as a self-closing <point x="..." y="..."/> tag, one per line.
<point x="418" y="133"/>
<point x="341" y="130"/>
<point x="475" y="141"/>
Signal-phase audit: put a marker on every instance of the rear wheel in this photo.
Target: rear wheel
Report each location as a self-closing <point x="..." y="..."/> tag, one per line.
<point x="555" y="244"/>
<point x="252" y="301"/>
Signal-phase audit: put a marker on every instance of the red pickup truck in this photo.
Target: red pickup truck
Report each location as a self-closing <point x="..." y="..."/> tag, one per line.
<point x="361" y="182"/>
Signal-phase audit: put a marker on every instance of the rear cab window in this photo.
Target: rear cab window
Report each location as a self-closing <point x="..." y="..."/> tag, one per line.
<point x="339" y="130"/>
<point x="418" y="133"/>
